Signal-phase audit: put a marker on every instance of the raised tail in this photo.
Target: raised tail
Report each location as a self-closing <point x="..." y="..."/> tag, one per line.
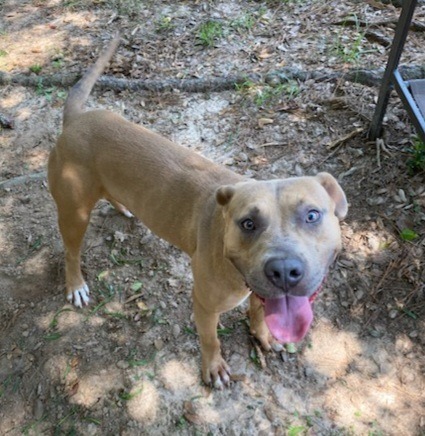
<point x="79" y="93"/>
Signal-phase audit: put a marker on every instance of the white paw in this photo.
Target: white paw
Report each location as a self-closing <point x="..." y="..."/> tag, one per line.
<point x="79" y="297"/>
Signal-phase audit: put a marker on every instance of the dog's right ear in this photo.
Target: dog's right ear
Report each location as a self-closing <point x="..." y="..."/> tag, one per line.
<point x="224" y="194"/>
<point x="335" y="192"/>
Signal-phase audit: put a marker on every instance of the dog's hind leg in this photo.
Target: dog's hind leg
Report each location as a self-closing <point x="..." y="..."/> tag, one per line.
<point x="75" y="198"/>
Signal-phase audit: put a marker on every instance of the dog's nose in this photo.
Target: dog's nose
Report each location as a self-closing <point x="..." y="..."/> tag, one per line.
<point x="284" y="273"/>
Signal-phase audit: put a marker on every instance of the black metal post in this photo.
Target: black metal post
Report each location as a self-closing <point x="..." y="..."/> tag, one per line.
<point x="400" y="36"/>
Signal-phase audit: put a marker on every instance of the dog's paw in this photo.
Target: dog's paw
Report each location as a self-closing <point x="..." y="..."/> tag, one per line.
<point x="79" y="297"/>
<point x="267" y="341"/>
<point x="217" y="374"/>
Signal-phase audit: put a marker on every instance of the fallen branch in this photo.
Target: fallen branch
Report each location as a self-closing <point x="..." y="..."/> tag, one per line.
<point x="345" y="138"/>
<point x="216" y="84"/>
<point x="20" y="180"/>
<point x="373" y="36"/>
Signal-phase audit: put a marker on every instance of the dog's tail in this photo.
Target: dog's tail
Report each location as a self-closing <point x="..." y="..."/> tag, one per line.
<point x="79" y="93"/>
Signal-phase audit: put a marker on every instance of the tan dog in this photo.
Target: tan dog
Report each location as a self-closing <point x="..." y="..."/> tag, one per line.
<point x="272" y="239"/>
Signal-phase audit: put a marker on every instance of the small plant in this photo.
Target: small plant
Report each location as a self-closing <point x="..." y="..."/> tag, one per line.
<point x="245" y="22"/>
<point x="126" y="396"/>
<point x="3" y="53"/>
<point x="36" y="68"/>
<point x="209" y="32"/>
<point x="417" y="162"/>
<point x="164" y="24"/>
<point x="57" y="63"/>
<point x="408" y="235"/>
<point x="267" y="94"/>
<point x="126" y="7"/>
<point x="295" y="430"/>
<point x="348" y="50"/>
<point x="73" y="5"/>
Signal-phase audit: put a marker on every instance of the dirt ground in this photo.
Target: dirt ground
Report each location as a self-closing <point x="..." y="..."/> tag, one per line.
<point x="129" y="363"/>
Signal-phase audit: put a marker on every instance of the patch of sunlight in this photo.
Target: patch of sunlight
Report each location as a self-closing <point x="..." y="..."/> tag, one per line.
<point x="207" y="413"/>
<point x="56" y="367"/>
<point x="36" y="264"/>
<point x="3" y="239"/>
<point x="31" y="47"/>
<point x="63" y="319"/>
<point x="369" y="383"/>
<point x="37" y="160"/>
<point x="358" y="401"/>
<point x="178" y="375"/>
<point x="92" y="387"/>
<point x="144" y="402"/>
<point x="363" y="244"/>
<point x="96" y="321"/>
<point x="332" y="350"/>
<point x="16" y="97"/>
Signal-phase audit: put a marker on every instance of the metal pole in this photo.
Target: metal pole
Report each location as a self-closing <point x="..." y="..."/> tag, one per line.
<point x="400" y="36"/>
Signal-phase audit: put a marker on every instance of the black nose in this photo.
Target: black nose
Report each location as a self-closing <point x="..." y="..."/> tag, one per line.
<point x="284" y="273"/>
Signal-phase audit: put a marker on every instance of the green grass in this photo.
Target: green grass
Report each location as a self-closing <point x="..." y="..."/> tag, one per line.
<point x="244" y="22"/>
<point x="209" y="32"/>
<point x="267" y="95"/>
<point x="36" y="68"/>
<point x="126" y="396"/>
<point x="349" y="49"/>
<point x="416" y="163"/>
<point x="35" y="246"/>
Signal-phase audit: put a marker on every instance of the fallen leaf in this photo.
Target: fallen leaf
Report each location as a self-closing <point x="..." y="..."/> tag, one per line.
<point x="190" y="413"/>
<point x="264" y="121"/>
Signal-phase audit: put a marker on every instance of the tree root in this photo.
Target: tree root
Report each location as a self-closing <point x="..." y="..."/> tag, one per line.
<point x="216" y="84"/>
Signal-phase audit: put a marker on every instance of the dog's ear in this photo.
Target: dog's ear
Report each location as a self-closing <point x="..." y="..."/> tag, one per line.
<point x="335" y="192"/>
<point x="224" y="194"/>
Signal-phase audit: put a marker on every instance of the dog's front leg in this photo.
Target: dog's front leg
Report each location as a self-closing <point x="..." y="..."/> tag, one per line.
<point x="258" y="326"/>
<point x="215" y="370"/>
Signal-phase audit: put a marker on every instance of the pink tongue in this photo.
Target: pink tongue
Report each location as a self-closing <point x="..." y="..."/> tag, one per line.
<point x="288" y="318"/>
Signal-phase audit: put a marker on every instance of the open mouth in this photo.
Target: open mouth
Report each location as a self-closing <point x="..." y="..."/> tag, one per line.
<point x="289" y="318"/>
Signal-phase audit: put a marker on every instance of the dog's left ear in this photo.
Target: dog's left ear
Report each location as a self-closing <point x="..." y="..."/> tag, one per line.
<point x="335" y="192"/>
<point x="224" y="194"/>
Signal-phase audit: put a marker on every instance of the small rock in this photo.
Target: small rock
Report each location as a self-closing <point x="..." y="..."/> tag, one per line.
<point x="159" y="344"/>
<point x="413" y="334"/>
<point x="122" y="364"/>
<point x="243" y="156"/>
<point x="176" y="330"/>
<point x="308" y="371"/>
<point x="407" y="375"/>
<point x="25" y="334"/>
<point x="393" y="313"/>
<point x="359" y="294"/>
<point x="277" y="347"/>
<point x="38" y="409"/>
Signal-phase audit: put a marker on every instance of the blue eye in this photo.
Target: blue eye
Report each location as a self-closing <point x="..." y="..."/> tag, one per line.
<point x="313" y="216"/>
<point x="248" y="224"/>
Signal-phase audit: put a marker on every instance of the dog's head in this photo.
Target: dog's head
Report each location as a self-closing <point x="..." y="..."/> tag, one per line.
<point x="282" y="235"/>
